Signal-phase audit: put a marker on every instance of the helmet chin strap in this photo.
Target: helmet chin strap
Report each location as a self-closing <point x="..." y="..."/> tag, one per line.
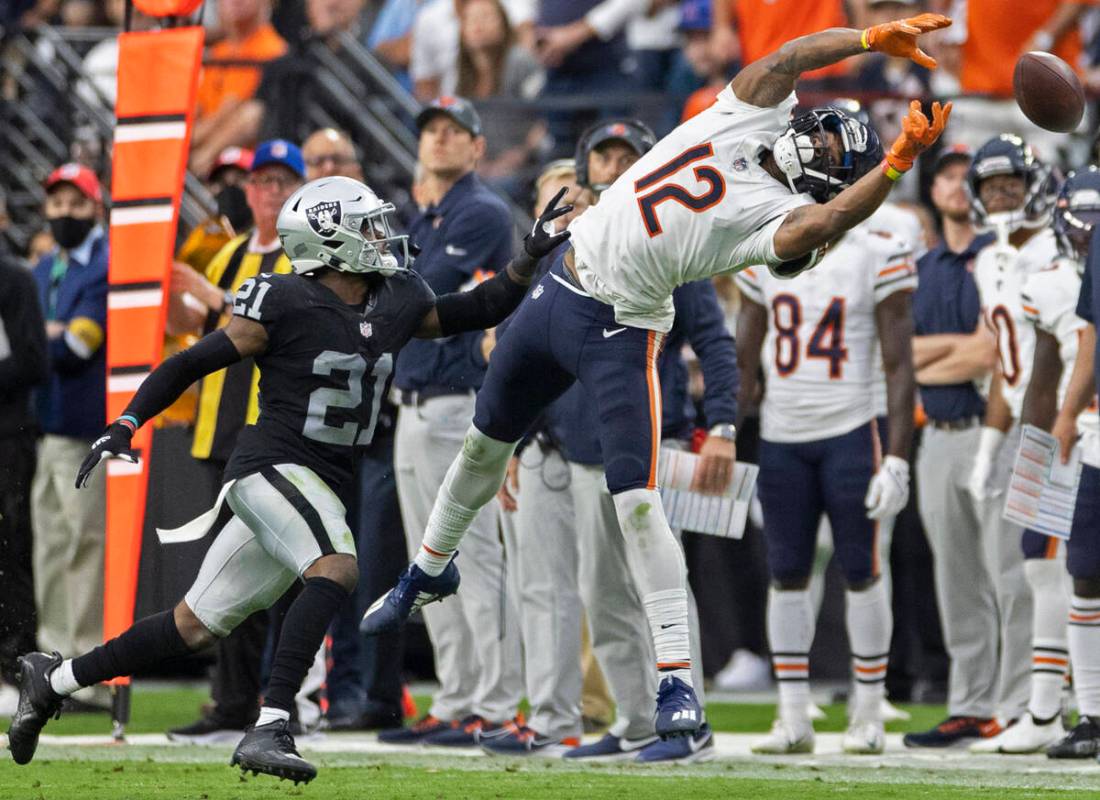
<point x="1003" y="223"/>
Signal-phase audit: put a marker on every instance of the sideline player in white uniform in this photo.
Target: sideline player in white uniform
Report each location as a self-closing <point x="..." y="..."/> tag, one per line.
<point x="1012" y="192"/>
<point x="820" y="453"/>
<point x="1049" y="302"/>
<point x="749" y="186"/>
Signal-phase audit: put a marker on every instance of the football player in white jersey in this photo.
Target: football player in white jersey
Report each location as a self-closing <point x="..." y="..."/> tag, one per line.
<point x="739" y="184"/>
<point x="1012" y="194"/>
<point x="1077" y="217"/>
<point x="820" y="453"/>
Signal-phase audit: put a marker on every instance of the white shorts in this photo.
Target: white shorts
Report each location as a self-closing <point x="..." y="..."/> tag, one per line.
<point x="283" y="519"/>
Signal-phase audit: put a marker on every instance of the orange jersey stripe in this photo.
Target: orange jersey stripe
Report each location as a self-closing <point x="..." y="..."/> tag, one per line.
<point x="1058" y="662"/>
<point x="791" y="667"/>
<point x="870" y="670"/>
<point x="896" y="268"/>
<point x="653" y="384"/>
<point x="1084" y="617"/>
<point x="433" y="552"/>
<point x="673" y="665"/>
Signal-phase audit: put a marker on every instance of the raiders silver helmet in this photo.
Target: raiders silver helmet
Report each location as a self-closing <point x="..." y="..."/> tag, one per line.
<point x="340" y="223"/>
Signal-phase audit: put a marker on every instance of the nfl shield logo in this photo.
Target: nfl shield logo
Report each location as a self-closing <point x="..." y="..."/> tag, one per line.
<point x="366" y="329"/>
<point x="324" y="217"/>
<point x="740" y="165"/>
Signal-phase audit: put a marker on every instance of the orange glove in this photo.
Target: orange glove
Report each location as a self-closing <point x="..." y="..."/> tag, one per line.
<point x="900" y="38"/>
<point x="917" y="135"/>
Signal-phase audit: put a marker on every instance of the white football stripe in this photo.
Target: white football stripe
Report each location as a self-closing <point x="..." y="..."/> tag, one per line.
<point x="139" y="215"/>
<point x="120" y="298"/>
<point x="150" y="131"/>
<point x="117" y="466"/>
<point x="125" y="383"/>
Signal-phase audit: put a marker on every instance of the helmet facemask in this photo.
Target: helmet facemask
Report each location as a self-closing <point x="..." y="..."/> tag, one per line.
<point x="1009" y="155"/>
<point x="1076" y="214"/>
<point x="805" y="156"/>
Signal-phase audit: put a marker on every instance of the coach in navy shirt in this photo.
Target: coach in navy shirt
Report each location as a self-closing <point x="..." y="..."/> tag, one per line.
<point x="464" y="233"/>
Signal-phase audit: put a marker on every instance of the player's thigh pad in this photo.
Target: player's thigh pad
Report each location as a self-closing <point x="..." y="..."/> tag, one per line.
<point x="296" y="517"/>
<point x="790" y="497"/>
<point x="238" y="577"/>
<point x="524" y="376"/>
<point x="849" y="463"/>
<point x="1083" y="547"/>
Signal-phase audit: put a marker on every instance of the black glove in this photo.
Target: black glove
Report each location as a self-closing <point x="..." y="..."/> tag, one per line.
<point x="114" y="443"/>
<point x="540" y="242"/>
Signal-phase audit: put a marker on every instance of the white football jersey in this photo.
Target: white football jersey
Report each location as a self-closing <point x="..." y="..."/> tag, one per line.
<point x="1000" y="271"/>
<point x="697" y="205"/>
<point x="1049" y="299"/>
<point x="819" y="354"/>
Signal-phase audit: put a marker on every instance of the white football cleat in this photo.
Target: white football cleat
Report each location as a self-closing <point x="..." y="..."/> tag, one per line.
<point x="786" y="738"/>
<point x="1023" y="737"/>
<point x="864" y="737"/>
<point x="891" y="713"/>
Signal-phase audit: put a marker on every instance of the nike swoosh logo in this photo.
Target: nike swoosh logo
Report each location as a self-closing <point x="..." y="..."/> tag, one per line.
<point x="608" y="334"/>
<point x="669" y="625"/>
<point x="451" y="250"/>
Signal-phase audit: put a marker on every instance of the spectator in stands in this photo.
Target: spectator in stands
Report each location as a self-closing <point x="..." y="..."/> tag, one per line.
<point x="390" y="37"/>
<point x="101" y="63"/>
<point x="23" y="366"/>
<point x="70" y="526"/>
<point x="698" y="74"/>
<point x="247" y="35"/>
<point x="329" y="152"/>
<point x="989" y="41"/>
<point x="433" y="64"/>
<point x="654" y="44"/>
<point x="228" y="401"/>
<point x="491" y="62"/>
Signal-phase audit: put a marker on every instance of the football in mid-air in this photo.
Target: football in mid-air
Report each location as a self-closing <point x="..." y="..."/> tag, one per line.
<point x="1048" y="91"/>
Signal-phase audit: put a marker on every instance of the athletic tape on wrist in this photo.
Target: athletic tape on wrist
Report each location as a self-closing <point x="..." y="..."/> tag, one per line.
<point x="891" y="172"/>
<point x="863" y="39"/>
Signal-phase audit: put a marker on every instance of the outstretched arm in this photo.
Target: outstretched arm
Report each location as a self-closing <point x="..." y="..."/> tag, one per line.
<point x="810" y="227"/>
<point x="490" y="302"/>
<point x="766" y="82"/>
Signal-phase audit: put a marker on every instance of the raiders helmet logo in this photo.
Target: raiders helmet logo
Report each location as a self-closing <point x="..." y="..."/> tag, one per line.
<point x="324" y="217"/>
<point x="366" y="329"/>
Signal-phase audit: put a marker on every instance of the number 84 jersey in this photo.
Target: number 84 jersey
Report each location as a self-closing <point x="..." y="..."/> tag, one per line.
<point x="325" y="371"/>
<point x="818" y="355"/>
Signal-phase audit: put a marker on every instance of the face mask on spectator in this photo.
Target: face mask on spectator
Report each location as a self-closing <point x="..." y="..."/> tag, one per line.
<point x="69" y="232"/>
<point x="233" y="205"/>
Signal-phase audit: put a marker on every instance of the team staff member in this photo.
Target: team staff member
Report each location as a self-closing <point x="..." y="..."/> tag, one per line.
<point x="70" y="527"/>
<point x="952" y="350"/>
<point x="465" y="233"/>
<point x="23" y="366"/>
<point x="228" y="400"/>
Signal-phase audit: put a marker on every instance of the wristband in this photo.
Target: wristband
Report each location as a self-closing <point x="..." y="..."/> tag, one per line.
<point x="727" y="431"/>
<point x="890" y="171"/>
<point x="129" y="421"/>
<point x="863" y="40"/>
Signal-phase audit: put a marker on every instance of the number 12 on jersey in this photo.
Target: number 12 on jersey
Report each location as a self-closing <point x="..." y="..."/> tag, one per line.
<point x="648" y="202"/>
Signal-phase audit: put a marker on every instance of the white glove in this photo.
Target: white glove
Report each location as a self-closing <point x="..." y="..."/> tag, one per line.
<point x="888" y="492"/>
<point x="981" y="484"/>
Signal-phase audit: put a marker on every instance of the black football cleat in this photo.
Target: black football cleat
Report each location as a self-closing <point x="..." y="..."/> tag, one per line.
<point x="1083" y="741"/>
<point x="270" y="749"/>
<point x="37" y="703"/>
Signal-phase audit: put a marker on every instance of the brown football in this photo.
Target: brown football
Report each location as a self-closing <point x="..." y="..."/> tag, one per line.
<point x="1048" y="91"/>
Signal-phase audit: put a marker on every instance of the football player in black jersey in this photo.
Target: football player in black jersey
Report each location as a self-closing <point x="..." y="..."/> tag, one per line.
<point x="324" y="338"/>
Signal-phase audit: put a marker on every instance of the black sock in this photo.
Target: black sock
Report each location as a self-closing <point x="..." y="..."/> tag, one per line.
<point x="149" y="641"/>
<point x="303" y="631"/>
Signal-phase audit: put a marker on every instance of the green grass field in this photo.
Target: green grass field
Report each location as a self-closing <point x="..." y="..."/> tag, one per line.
<point x="141" y="772"/>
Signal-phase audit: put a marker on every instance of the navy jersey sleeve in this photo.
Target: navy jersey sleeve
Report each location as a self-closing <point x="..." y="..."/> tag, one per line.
<point x="697" y="305"/>
<point x="1092" y="263"/>
<point x="396" y="310"/>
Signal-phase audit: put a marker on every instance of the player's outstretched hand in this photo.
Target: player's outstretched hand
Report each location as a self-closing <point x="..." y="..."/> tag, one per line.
<point x="917" y="135"/>
<point x="114" y="443"/>
<point x="899" y="38"/>
<point x="888" y="492"/>
<point x="542" y="240"/>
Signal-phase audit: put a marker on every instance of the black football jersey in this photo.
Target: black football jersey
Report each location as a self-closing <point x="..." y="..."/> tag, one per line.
<point x="326" y="369"/>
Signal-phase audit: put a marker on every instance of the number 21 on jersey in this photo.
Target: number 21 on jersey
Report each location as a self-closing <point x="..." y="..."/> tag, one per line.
<point x="652" y="198"/>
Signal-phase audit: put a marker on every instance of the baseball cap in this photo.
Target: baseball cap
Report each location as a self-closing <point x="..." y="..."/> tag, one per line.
<point x="952" y="154"/>
<point x="79" y="176"/>
<point x="695" y="15"/>
<point x="239" y="157"/>
<point x="279" y="151"/>
<point x="459" y="109"/>
<point x="634" y="134"/>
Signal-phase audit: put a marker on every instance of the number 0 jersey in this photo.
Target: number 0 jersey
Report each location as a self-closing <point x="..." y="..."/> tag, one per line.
<point x="1049" y="300"/>
<point x="697" y="205"/>
<point x="821" y="346"/>
<point x="325" y="371"/>
<point x="1000" y="271"/>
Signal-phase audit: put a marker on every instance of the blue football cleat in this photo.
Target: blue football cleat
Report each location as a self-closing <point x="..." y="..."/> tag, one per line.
<point x="699" y="746"/>
<point x="415" y="589"/>
<point x="678" y="709"/>
<point x="611" y="748"/>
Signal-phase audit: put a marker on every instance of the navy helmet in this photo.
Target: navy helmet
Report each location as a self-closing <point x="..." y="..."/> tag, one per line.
<point x="1008" y="154"/>
<point x="1077" y="212"/>
<point x="803" y="154"/>
<point x="634" y="133"/>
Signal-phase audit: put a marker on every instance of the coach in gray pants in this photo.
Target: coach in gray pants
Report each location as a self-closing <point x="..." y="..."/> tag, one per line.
<point x="464" y="231"/>
<point x="978" y="566"/>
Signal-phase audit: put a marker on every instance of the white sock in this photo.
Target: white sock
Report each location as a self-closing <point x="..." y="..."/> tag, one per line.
<point x="667" y="613"/>
<point x="1084" y="653"/>
<point x="790" y="634"/>
<point x="62" y="679"/>
<point x="870" y="624"/>
<point x="1050" y="649"/>
<point x="269" y="715"/>
<point x="472" y="481"/>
